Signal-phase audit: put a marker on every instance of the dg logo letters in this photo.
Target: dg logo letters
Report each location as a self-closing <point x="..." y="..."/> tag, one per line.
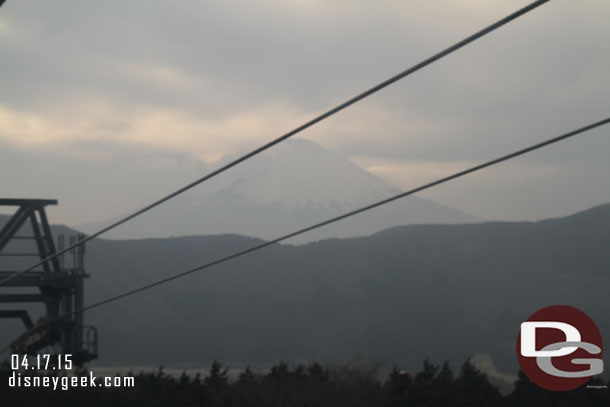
<point x="559" y="348"/>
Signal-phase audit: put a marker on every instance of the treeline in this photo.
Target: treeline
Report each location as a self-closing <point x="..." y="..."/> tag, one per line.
<point x="310" y="385"/>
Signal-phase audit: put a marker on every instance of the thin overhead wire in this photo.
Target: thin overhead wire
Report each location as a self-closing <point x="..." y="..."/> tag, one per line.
<point x="291" y="133"/>
<point x="337" y="218"/>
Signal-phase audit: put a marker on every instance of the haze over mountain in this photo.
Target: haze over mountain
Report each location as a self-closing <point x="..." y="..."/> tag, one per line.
<point x="438" y="291"/>
<point x="293" y="185"/>
<point x="398" y="296"/>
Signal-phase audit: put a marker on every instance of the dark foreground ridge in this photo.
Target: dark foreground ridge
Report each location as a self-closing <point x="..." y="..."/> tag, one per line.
<point x="310" y="385"/>
<point x="331" y="300"/>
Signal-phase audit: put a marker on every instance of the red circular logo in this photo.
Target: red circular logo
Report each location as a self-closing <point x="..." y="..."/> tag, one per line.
<point x="559" y="348"/>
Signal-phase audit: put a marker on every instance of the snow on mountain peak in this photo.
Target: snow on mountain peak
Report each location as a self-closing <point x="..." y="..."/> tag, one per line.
<point x="298" y="174"/>
<point x="293" y="185"/>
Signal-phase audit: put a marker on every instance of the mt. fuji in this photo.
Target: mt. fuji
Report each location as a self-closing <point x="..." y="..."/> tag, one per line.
<point x="293" y="185"/>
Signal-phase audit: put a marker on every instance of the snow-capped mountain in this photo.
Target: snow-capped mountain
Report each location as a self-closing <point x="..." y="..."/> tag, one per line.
<point x="290" y="186"/>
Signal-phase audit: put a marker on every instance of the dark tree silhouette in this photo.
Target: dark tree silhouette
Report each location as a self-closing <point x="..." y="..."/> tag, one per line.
<point x="300" y="385"/>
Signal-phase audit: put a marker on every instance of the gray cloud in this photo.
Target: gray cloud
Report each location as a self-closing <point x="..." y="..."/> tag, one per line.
<point x="115" y="180"/>
<point x="214" y="61"/>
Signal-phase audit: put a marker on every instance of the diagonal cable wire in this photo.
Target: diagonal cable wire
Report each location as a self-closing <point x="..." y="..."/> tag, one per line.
<point x="335" y="219"/>
<point x="291" y="133"/>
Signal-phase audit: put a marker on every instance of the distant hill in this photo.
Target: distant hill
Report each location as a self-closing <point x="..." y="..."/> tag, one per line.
<point x="296" y="184"/>
<point x="442" y="291"/>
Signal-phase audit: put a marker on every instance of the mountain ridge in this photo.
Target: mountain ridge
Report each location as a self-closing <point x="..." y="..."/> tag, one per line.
<point x="392" y="296"/>
<point x="290" y="187"/>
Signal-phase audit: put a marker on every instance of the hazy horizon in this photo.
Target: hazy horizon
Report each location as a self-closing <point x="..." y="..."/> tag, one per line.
<point x="108" y="107"/>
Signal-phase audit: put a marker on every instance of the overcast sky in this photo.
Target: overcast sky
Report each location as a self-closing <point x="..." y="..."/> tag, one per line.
<point x="106" y="105"/>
